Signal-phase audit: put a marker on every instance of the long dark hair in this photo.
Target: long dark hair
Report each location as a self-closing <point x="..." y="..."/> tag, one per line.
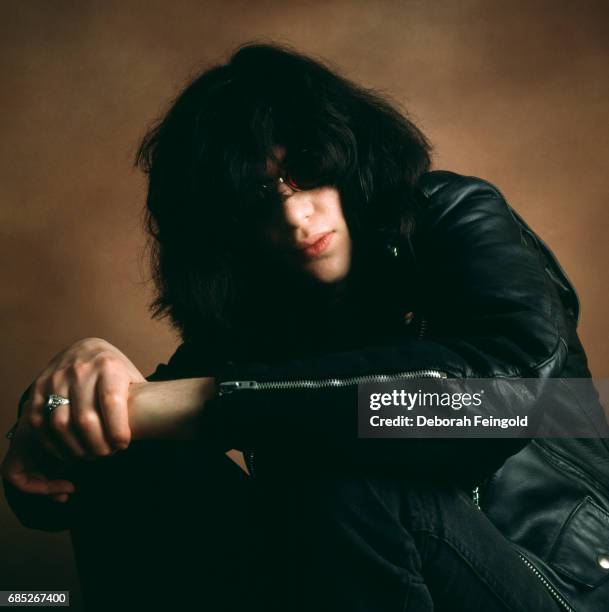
<point x="203" y="163"/>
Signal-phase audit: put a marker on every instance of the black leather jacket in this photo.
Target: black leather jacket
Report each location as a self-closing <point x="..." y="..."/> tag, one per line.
<point x="489" y="299"/>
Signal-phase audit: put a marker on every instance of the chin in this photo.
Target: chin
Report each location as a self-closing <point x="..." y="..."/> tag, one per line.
<point x="327" y="272"/>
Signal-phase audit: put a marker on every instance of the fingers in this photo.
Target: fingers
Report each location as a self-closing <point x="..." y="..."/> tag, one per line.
<point x="83" y="410"/>
<point x="112" y="396"/>
<point x="36" y="417"/>
<point x="25" y="477"/>
<point x="95" y="377"/>
<point x="37" y="483"/>
<point x="34" y="408"/>
<point x="60" y="420"/>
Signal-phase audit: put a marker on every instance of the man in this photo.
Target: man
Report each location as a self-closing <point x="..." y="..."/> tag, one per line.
<point x="302" y="246"/>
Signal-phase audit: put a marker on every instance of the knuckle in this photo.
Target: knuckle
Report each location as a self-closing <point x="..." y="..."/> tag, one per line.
<point x="106" y="359"/>
<point x="87" y="420"/>
<point x="57" y="378"/>
<point x="112" y="398"/>
<point x="80" y="369"/>
<point x="60" y="421"/>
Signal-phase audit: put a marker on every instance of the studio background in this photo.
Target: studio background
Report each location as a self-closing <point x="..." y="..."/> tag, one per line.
<point x="516" y="93"/>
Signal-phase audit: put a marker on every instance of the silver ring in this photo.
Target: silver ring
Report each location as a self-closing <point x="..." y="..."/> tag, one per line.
<point x="55" y="400"/>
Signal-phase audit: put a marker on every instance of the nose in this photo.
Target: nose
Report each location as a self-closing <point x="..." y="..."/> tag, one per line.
<point x="296" y="206"/>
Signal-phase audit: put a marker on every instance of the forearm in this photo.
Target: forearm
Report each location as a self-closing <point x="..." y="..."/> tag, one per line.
<point x="169" y="409"/>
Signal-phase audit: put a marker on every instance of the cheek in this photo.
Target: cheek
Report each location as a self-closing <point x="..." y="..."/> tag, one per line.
<point x="332" y="206"/>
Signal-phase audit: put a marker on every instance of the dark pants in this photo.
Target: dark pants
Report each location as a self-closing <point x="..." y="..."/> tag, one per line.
<point x="290" y="543"/>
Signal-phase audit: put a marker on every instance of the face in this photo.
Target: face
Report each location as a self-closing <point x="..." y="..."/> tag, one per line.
<point x="308" y="230"/>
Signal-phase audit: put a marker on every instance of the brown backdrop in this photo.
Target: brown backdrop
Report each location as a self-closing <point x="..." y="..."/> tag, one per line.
<point x="516" y="92"/>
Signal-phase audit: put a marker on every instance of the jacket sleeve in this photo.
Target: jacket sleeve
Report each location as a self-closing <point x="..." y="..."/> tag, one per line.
<point x="493" y="310"/>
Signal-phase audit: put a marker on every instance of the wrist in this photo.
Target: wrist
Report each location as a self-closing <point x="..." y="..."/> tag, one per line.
<point x="168" y="409"/>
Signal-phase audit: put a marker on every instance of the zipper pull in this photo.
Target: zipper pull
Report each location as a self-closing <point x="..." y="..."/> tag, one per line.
<point x="476" y="497"/>
<point x="236" y="385"/>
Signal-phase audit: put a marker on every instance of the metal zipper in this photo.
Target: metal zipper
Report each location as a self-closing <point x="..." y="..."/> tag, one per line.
<point x="253" y="385"/>
<point x="476" y="496"/>
<point x="422" y="329"/>
<point x="230" y="386"/>
<point x="546" y="583"/>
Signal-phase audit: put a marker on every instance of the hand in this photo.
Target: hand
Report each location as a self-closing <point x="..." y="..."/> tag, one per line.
<point x="28" y="467"/>
<point x="95" y="376"/>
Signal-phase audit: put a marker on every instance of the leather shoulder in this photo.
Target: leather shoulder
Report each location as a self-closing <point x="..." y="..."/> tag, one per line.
<point x="444" y="188"/>
<point x="451" y="199"/>
<point x="453" y="206"/>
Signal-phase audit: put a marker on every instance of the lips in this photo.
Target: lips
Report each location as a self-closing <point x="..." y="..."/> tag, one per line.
<point x="315" y="245"/>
